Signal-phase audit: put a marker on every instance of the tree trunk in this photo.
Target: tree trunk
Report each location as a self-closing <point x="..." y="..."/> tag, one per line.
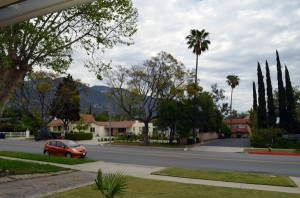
<point x="172" y="134"/>
<point x="10" y="79"/>
<point x="231" y="102"/>
<point x="196" y="73"/>
<point x="146" y="132"/>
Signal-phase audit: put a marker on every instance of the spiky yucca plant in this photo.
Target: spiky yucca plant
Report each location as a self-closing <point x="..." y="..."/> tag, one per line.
<point x="111" y="184"/>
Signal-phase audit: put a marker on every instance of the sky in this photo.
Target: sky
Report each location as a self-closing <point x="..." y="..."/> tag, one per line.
<point x="242" y="33"/>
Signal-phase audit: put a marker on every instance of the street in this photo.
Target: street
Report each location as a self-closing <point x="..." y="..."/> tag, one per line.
<point x="164" y="157"/>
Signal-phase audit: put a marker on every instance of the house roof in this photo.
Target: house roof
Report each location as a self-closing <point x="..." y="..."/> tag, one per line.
<point x="237" y="121"/>
<point x="87" y="119"/>
<point x="55" y="122"/>
<point x="120" y="124"/>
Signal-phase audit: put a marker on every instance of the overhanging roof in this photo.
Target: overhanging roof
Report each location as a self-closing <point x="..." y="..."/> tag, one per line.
<point x="15" y="11"/>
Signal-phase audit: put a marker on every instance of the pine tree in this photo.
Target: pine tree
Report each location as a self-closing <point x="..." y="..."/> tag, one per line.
<point x="281" y="96"/>
<point x="271" y="106"/>
<point x="290" y="102"/>
<point x="261" y="112"/>
<point x="254" y="97"/>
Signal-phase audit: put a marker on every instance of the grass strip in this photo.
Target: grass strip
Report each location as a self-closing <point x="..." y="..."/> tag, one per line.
<point x="148" y="188"/>
<point x="248" y="178"/>
<point x="20" y="167"/>
<point x="44" y="158"/>
<point x="246" y="150"/>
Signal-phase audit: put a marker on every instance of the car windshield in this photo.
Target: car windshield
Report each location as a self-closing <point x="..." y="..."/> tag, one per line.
<point x="70" y="143"/>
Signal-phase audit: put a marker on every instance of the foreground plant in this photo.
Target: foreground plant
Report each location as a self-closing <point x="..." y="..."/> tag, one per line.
<point x="111" y="184"/>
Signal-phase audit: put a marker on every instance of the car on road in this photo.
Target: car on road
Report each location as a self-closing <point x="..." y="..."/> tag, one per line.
<point x="67" y="148"/>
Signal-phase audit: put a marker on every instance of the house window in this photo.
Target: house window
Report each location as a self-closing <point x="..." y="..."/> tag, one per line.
<point x="92" y="130"/>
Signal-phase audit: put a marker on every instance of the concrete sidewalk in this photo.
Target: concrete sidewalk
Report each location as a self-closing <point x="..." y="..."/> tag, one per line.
<point x="90" y="170"/>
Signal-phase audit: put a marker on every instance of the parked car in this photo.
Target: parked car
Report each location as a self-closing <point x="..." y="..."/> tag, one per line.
<point x="221" y="136"/>
<point x="67" y="148"/>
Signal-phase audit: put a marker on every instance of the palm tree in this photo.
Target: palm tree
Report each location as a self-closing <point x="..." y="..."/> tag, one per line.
<point x="232" y="81"/>
<point x="197" y="40"/>
<point x="111" y="184"/>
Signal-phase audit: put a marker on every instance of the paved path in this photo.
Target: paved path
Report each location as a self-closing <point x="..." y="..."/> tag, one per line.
<point x="42" y="185"/>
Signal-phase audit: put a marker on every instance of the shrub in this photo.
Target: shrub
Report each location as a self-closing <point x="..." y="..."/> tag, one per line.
<point x="79" y="136"/>
<point x="225" y="130"/>
<point x="55" y="135"/>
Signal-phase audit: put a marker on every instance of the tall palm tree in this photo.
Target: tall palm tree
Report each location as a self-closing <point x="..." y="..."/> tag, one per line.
<point x="197" y="40"/>
<point x="232" y="81"/>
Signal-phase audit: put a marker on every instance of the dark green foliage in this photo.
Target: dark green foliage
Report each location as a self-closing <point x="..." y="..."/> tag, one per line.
<point x="271" y="106"/>
<point x="225" y="130"/>
<point x="254" y="97"/>
<point x="281" y="96"/>
<point x="291" y="106"/>
<point x="261" y="111"/>
<point x="79" y="136"/>
<point x="265" y="137"/>
<point x="66" y="104"/>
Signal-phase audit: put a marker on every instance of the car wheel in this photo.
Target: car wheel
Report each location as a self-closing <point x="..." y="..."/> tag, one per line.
<point x="47" y="153"/>
<point x="68" y="155"/>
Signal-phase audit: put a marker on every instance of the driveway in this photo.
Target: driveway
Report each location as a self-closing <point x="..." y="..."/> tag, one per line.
<point x="230" y="145"/>
<point x="230" y="142"/>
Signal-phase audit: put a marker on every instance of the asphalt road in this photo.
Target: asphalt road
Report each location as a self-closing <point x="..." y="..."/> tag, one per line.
<point x="142" y="155"/>
<point x="230" y="142"/>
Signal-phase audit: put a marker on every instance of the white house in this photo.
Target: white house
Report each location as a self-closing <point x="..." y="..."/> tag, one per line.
<point x="101" y="129"/>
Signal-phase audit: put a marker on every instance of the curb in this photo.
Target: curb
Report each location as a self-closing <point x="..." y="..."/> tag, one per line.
<point x="274" y="153"/>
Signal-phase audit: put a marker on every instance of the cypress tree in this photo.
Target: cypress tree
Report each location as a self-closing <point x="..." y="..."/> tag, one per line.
<point x="290" y="102"/>
<point x="271" y="106"/>
<point x="261" y="111"/>
<point x="281" y="96"/>
<point x="254" y="97"/>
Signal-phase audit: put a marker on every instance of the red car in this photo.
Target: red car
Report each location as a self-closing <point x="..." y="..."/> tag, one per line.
<point x="67" y="148"/>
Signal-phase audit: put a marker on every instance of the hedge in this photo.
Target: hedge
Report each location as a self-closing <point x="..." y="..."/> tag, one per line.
<point x="79" y="136"/>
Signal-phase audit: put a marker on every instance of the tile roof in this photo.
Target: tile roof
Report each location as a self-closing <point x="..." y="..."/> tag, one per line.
<point x="57" y="122"/>
<point x="238" y="121"/>
<point x="118" y="124"/>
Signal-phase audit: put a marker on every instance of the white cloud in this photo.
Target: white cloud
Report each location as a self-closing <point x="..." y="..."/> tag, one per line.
<point x="241" y="33"/>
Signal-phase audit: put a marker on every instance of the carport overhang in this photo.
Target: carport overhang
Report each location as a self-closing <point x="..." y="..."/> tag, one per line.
<point x="15" y="11"/>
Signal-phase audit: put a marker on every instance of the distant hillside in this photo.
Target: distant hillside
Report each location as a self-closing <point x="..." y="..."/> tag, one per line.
<point x="95" y="96"/>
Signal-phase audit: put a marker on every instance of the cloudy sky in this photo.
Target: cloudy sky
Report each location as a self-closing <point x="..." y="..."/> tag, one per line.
<point x="242" y="33"/>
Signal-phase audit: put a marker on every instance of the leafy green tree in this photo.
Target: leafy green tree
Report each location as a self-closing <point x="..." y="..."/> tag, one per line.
<point x="138" y="90"/>
<point x="101" y="117"/>
<point x="198" y="41"/>
<point x="291" y="106"/>
<point x="232" y="81"/>
<point x="80" y="126"/>
<point x="283" y="116"/>
<point x="169" y="115"/>
<point x="66" y="104"/>
<point x="48" y="41"/>
<point x="261" y="111"/>
<point x="225" y="129"/>
<point x="111" y="184"/>
<point x="271" y="106"/>
<point x="218" y="96"/>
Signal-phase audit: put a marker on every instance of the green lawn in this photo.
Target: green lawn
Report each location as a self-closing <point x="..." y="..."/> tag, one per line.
<point x="40" y="157"/>
<point x="147" y="188"/>
<point x="228" y="176"/>
<point x="20" y="167"/>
